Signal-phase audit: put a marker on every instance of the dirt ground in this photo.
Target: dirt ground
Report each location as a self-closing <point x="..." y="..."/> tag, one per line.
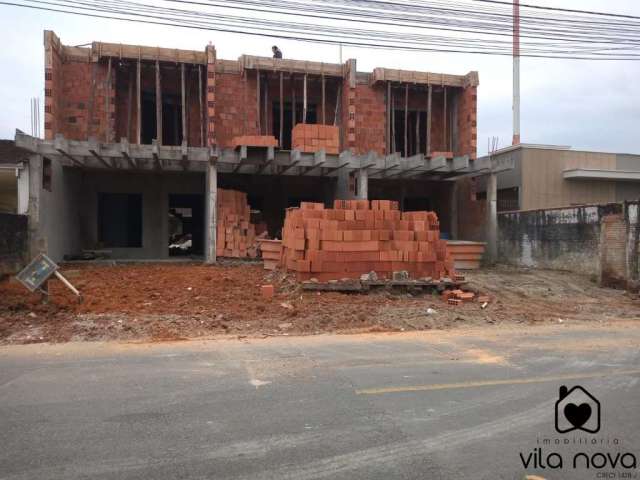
<point x="166" y="301"/>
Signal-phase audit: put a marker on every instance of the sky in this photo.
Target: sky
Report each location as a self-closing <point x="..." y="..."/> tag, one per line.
<point x="587" y="105"/>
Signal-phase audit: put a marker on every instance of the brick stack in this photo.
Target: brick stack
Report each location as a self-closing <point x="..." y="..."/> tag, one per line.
<point x="358" y="236"/>
<point x="255" y="141"/>
<point x="236" y="234"/>
<point x="271" y="251"/>
<point x="312" y="138"/>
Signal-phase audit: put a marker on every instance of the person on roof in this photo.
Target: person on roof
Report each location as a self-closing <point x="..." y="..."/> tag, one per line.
<point x="277" y="53"/>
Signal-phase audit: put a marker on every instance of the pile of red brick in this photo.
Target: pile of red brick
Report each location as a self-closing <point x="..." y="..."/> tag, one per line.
<point x="358" y="236"/>
<point x="236" y="234"/>
<point x="312" y="138"/>
<point x="255" y="141"/>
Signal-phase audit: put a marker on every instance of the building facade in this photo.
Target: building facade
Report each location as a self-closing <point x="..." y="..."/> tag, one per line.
<point x="546" y="176"/>
<point x="135" y="134"/>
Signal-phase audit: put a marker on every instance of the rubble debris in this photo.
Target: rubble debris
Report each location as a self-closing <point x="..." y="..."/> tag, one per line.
<point x="401" y="275"/>
<point x="236" y="236"/>
<point x="229" y="302"/>
<point x="454" y="301"/>
<point x="369" y="277"/>
<point x="358" y="236"/>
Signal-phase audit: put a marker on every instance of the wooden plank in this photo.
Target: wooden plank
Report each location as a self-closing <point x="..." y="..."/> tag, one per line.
<point x="429" y="95"/>
<point x="393" y="122"/>
<point x="107" y="101"/>
<point x="304" y="102"/>
<point x="380" y="75"/>
<point x="138" y="103"/>
<point x="324" y="118"/>
<point x="406" y="120"/>
<point x="444" y="128"/>
<point x="388" y="133"/>
<point x="293" y="104"/>
<point x="129" y="103"/>
<point x="281" y="132"/>
<point x="185" y="133"/>
<point x="158" y="105"/>
<point x="338" y="103"/>
<point x="251" y="62"/>
<point x="258" y="99"/>
<point x="201" y="110"/>
<point x="267" y="129"/>
<point x="417" y="132"/>
<point x="136" y="52"/>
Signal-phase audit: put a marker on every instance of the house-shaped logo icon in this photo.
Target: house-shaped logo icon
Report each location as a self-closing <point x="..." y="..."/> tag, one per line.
<point x="577" y="409"/>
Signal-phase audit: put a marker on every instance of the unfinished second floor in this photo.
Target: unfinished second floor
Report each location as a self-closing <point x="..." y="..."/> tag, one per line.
<point x="175" y="97"/>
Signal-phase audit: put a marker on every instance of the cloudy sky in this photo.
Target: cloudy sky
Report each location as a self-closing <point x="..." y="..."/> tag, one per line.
<point x="588" y="105"/>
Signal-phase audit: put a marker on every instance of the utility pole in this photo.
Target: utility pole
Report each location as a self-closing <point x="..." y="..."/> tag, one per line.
<point x="516" y="72"/>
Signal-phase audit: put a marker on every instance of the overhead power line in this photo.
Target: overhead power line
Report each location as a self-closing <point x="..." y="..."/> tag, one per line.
<point x="455" y="26"/>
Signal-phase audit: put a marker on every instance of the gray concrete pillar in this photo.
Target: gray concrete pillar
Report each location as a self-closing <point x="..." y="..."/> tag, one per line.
<point x="343" y="192"/>
<point x="492" y="218"/>
<point x="363" y="184"/>
<point x="454" y="211"/>
<point x="211" y="191"/>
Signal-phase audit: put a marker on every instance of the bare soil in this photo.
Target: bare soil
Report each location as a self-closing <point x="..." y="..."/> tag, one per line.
<point x="165" y="301"/>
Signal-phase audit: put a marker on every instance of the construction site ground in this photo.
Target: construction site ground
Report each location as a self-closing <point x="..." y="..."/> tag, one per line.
<point x="174" y="301"/>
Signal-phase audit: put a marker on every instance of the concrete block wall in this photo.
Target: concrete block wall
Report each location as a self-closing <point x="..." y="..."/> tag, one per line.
<point x="14" y="243"/>
<point x="599" y="240"/>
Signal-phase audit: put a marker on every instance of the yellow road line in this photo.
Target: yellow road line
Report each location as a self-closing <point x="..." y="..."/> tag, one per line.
<point x="490" y="383"/>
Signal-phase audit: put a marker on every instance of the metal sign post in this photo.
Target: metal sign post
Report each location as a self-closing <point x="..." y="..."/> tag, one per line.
<point x="41" y="268"/>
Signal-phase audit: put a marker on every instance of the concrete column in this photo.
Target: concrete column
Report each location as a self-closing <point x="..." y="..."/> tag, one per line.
<point x="37" y="243"/>
<point x="211" y="190"/>
<point x="492" y="218"/>
<point x="363" y="184"/>
<point x="342" y="185"/>
<point x="454" y="211"/>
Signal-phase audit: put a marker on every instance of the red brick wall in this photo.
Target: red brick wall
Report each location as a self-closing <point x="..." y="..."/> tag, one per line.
<point x="52" y="85"/>
<point x="75" y="109"/>
<point x="370" y="119"/>
<point x="235" y="98"/>
<point x="468" y="122"/>
<point x="472" y="213"/>
<point x="613" y="251"/>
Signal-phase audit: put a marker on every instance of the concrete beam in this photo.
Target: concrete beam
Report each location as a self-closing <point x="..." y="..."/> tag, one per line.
<point x="62" y="146"/>
<point x="94" y="149"/>
<point x="124" y="149"/>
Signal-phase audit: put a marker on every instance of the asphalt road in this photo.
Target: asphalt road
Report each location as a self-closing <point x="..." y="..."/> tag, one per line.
<point x="433" y="405"/>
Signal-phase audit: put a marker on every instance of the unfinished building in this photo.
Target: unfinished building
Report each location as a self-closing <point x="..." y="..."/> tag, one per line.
<point x="139" y="138"/>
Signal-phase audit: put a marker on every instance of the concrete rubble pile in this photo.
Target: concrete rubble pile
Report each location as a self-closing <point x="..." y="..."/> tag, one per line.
<point x="236" y="234"/>
<point x="361" y="236"/>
